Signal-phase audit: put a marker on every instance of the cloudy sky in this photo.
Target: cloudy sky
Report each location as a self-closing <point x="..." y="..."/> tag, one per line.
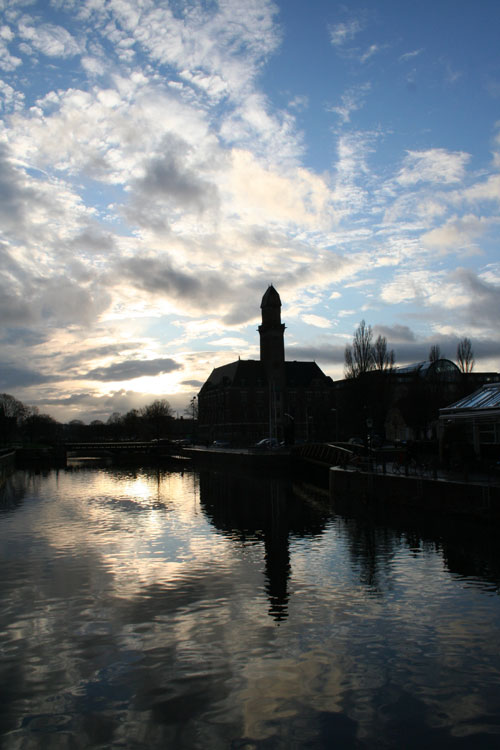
<point x="163" y="161"/>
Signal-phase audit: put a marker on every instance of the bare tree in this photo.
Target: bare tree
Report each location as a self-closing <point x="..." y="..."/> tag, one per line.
<point x="465" y="355"/>
<point x="158" y="414"/>
<point x="434" y="353"/>
<point x="359" y="357"/>
<point x="382" y="357"/>
<point x="11" y="407"/>
<point x="192" y="408"/>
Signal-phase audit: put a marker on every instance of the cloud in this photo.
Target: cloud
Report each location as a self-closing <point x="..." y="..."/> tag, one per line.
<point x="132" y="369"/>
<point x="9" y="97"/>
<point x="204" y="44"/>
<point x="169" y="177"/>
<point x="396" y="334"/>
<point x="352" y="100"/>
<point x="15" y="193"/>
<point x="299" y="102"/>
<point x="458" y="233"/>
<point x="7" y="61"/>
<point x="158" y="275"/>
<point x="317" y="320"/>
<point x="344" y="32"/>
<point x="434" y="165"/>
<point x="406" y="286"/>
<point x="487" y="190"/>
<point x="49" y="39"/>
<point x="12" y="377"/>
<point x="410" y="55"/>
<point x="15" y="309"/>
<point x="80" y="355"/>
<point x="372" y="50"/>
<point x="482" y="298"/>
<point x="261" y="194"/>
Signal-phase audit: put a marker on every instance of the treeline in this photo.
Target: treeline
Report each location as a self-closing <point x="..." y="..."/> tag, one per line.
<point x="377" y="399"/>
<point x="22" y="423"/>
<point x="366" y="355"/>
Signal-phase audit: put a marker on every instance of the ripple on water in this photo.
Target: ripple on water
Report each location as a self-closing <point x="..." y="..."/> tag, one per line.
<point x="150" y="610"/>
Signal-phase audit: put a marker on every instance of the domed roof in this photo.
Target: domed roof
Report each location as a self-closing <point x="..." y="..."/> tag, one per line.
<point x="271" y="298"/>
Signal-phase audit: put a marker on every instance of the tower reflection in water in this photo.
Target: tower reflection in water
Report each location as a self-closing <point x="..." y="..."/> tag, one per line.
<point x="250" y="509"/>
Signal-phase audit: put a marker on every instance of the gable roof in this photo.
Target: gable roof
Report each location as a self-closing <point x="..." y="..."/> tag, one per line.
<point x="250" y="373"/>
<point x="242" y="373"/>
<point x="302" y="374"/>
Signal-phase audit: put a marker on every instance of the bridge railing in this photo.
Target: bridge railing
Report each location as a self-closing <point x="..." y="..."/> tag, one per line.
<point x="325" y="453"/>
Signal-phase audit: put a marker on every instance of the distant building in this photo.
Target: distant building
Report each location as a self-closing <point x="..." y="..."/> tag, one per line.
<point x="248" y="400"/>
<point x="472" y="425"/>
<point x="402" y="403"/>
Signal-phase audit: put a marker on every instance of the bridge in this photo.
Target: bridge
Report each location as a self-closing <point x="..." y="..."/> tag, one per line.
<point x="155" y="447"/>
<point x="325" y="454"/>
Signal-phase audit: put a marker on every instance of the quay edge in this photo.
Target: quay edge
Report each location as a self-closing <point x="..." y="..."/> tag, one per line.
<point x="7" y="463"/>
<point x="435" y="496"/>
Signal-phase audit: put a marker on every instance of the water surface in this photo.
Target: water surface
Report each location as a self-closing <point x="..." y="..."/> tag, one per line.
<point x="145" y="608"/>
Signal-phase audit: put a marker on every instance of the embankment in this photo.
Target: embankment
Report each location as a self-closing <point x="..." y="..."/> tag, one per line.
<point x="426" y="495"/>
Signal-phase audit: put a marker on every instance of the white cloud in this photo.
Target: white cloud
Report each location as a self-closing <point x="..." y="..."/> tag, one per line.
<point x="410" y="55"/>
<point x="50" y="40"/>
<point x="459" y="233"/>
<point x="344" y="32"/>
<point x="299" y="103"/>
<point x="352" y="100"/>
<point x="372" y="50"/>
<point x="487" y="190"/>
<point x="433" y="165"/>
<point x="8" y="62"/>
<point x="10" y="98"/>
<point x="205" y="42"/>
<point x="93" y="65"/>
<point x="407" y="286"/>
<point x="317" y="320"/>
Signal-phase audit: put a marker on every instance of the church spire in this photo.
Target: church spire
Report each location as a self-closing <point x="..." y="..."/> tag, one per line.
<point x="272" y="344"/>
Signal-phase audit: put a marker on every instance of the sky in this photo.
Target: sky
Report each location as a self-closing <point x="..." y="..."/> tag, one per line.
<point x="163" y="161"/>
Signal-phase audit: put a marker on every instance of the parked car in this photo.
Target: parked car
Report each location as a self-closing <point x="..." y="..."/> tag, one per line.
<point x="267" y="444"/>
<point x="220" y="444"/>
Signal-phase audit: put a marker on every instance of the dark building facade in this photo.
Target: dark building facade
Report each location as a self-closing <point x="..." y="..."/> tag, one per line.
<point x="248" y="400"/>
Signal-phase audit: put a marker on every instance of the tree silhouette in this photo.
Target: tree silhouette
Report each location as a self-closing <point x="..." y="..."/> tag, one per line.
<point x="465" y="355"/>
<point x="434" y="353"/>
<point x="158" y="414"/>
<point x="359" y="357"/>
<point x="382" y="357"/>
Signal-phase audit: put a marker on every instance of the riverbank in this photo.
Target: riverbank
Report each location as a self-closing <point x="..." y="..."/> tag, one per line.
<point x="478" y="499"/>
<point x="243" y="459"/>
<point x="7" y="462"/>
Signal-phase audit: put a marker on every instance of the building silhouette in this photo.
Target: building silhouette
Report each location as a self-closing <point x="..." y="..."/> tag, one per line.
<point x="247" y="400"/>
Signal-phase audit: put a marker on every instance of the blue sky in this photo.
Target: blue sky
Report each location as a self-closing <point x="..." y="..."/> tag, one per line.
<point x="162" y="162"/>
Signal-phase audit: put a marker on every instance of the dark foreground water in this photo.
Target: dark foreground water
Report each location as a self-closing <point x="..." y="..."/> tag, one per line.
<point x="145" y="609"/>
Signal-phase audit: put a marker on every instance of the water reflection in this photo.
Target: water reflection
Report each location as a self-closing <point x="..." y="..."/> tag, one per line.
<point x="468" y="549"/>
<point x="248" y="509"/>
<point x="146" y="608"/>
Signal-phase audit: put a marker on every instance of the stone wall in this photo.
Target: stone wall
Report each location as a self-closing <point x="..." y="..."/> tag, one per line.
<point x="423" y="494"/>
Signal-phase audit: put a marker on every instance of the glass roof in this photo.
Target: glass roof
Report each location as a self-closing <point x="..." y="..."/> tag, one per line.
<point x="427" y="369"/>
<point x="487" y="397"/>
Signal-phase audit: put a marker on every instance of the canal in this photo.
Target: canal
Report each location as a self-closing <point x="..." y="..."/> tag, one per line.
<point x="145" y="608"/>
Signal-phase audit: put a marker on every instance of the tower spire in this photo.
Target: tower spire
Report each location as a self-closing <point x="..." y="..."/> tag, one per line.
<point x="272" y="344"/>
